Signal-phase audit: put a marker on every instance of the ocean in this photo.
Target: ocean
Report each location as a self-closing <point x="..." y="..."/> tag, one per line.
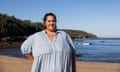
<point x="101" y="49"/>
<point x="96" y="50"/>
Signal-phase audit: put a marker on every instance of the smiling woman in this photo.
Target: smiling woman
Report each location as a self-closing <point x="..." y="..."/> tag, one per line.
<point x="50" y="50"/>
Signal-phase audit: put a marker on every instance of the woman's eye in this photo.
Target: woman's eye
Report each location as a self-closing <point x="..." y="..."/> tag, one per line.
<point x="53" y="20"/>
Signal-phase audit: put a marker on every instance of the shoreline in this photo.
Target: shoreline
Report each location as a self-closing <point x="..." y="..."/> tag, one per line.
<point x="10" y="44"/>
<point x="14" y="64"/>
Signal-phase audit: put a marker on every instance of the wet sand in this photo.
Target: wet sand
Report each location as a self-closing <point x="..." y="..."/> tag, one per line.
<point x="12" y="64"/>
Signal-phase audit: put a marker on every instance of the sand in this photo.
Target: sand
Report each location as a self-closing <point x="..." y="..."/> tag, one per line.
<point x="97" y="67"/>
<point x="12" y="64"/>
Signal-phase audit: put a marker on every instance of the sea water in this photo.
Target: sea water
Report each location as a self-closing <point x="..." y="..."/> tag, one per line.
<point x="101" y="49"/>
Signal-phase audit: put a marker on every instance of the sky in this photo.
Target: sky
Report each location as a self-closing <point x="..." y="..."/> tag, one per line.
<point x="99" y="17"/>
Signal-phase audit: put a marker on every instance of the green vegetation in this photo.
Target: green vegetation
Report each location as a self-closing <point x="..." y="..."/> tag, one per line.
<point x="11" y="26"/>
<point x="13" y="29"/>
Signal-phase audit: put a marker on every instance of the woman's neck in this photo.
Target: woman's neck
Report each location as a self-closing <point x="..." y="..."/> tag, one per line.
<point x="50" y="32"/>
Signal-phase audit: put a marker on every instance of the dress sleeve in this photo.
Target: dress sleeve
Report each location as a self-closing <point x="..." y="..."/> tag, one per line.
<point x="26" y="47"/>
<point x="70" y="42"/>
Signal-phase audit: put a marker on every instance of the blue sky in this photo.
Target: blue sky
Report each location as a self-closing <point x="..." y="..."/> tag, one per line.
<point x="100" y="17"/>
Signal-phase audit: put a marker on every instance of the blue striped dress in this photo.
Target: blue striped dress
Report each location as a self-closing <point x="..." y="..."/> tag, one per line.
<point x="49" y="56"/>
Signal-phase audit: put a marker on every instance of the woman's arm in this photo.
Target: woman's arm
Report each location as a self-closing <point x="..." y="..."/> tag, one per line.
<point x="29" y="56"/>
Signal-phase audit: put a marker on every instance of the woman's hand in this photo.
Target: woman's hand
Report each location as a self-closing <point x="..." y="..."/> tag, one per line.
<point x="30" y="57"/>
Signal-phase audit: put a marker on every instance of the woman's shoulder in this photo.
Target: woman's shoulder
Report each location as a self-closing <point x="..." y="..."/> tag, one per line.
<point x="61" y="31"/>
<point x="36" y="34"/>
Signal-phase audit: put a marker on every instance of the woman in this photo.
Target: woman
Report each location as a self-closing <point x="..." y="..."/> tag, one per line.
<point x="50" y="50"/>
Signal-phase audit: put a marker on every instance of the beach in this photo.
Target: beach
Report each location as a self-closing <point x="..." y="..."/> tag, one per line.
<point x="13" y="64"/>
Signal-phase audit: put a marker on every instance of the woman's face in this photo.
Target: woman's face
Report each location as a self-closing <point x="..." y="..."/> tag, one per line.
<point x="50" y="23"/>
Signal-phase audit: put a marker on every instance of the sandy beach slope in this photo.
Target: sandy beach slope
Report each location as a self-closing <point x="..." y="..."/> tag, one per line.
<point x="12" y="64"/>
